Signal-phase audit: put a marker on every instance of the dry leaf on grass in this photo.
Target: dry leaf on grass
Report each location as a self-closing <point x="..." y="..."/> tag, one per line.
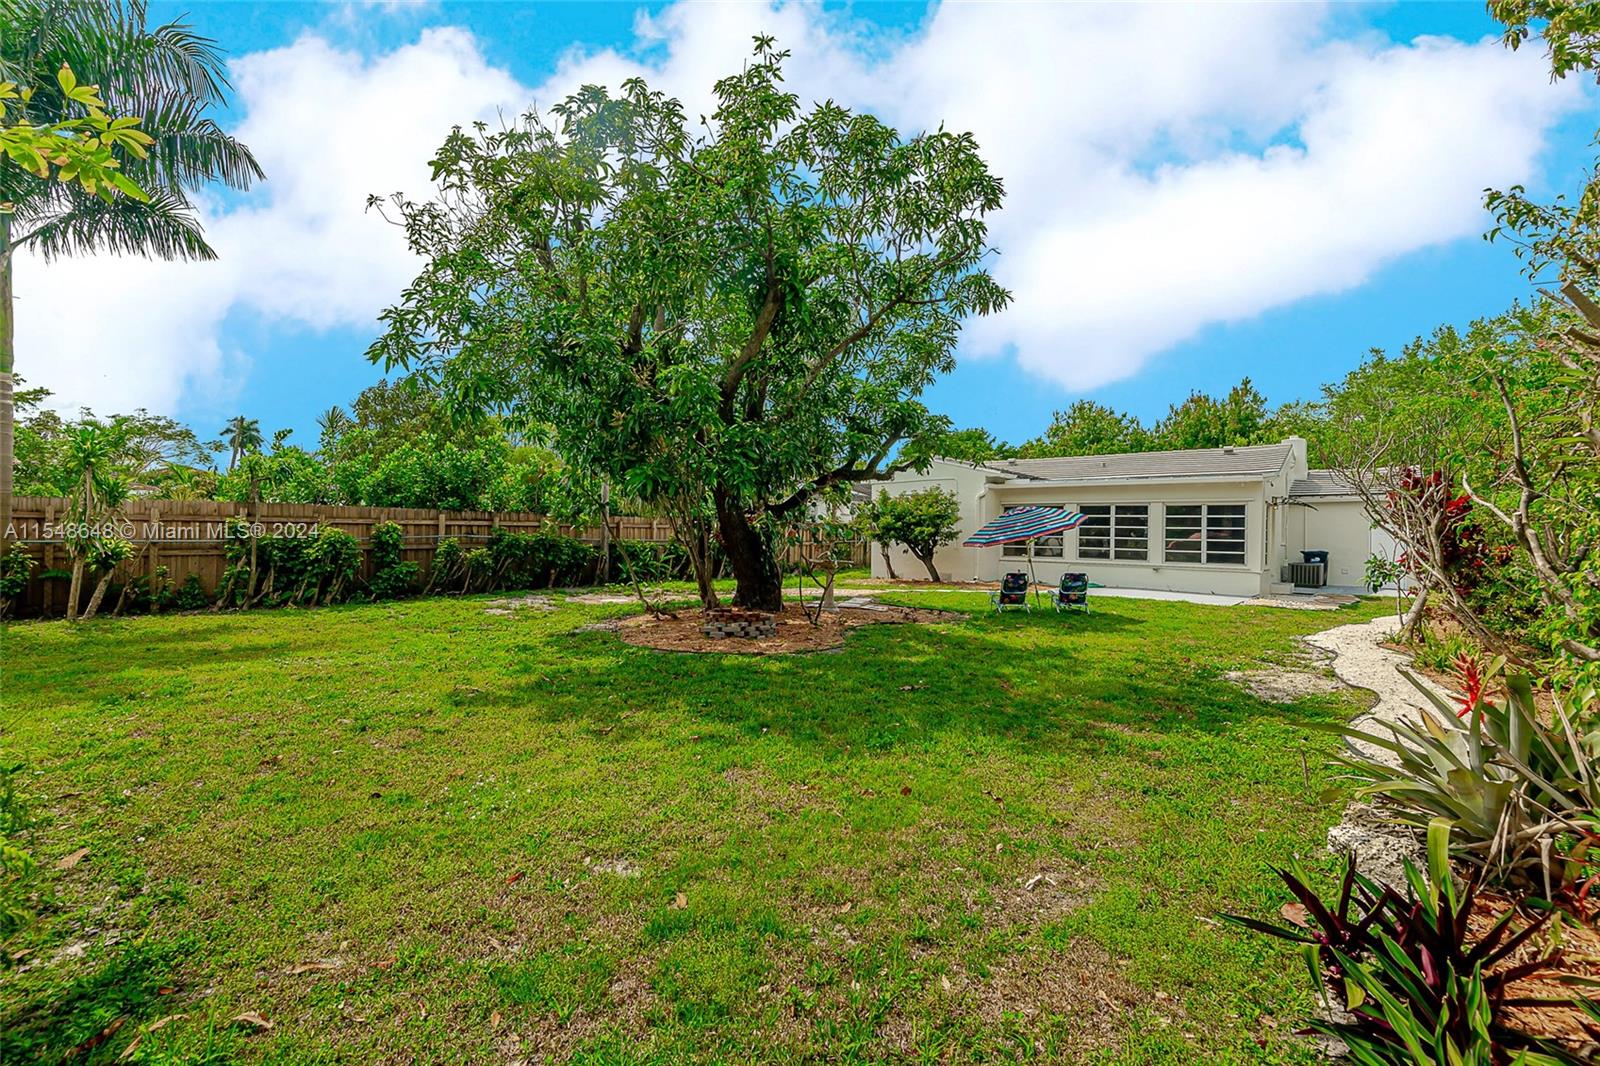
<point x="514" y="878"/>
<point x="254" y="1020"/>
<point x="680" y="901"/>
<point x="1296" y="914"/>
<point x="99" y="1038"/>
<point x="311" y="967"/>
<point x="494" y="1020"/>
<point x="67" y="862"/>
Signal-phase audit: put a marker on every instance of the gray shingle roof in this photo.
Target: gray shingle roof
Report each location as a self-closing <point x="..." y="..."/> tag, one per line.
<point x="1254" y="461"/>
<point x="1322" y="483"/>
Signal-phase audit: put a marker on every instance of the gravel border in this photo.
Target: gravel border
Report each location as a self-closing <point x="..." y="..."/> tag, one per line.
<point x="1355" y="654"/>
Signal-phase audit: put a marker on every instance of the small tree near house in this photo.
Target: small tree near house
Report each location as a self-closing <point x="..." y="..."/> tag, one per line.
<point x="923" y="521"/>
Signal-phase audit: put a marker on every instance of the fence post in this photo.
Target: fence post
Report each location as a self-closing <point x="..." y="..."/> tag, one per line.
<point x="49" y="557"/>
<point x="153" y="532"/>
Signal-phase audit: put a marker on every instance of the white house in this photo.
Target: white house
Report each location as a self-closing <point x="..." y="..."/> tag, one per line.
<point x="1218" y="520"/>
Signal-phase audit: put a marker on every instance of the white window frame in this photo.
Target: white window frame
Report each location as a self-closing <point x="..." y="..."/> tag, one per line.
<point x="1208" y="545"/>
<point x="1126" y="524"/>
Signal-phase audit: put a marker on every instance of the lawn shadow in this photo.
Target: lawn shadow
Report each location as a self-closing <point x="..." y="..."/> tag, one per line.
<point x="1039" y="680"/>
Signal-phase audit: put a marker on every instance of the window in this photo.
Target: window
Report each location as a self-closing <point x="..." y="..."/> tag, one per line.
<point x="1205" y="533"/>
<point x="1043" y="548"/>
<point x="1119" y="531"/>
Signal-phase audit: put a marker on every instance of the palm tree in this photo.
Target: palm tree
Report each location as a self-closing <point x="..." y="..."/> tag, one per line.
<point x="333" y="424"/>
<point x="170" y="78"/>
<point x="242" y="436"/>
<point x="92" y="455"/>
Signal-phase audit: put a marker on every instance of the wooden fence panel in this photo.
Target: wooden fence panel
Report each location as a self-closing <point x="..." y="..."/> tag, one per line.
<point x="186" y="536"/>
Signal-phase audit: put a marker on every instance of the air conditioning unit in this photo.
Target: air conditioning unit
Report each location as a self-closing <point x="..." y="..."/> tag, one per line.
<point x="1306" y="575"/>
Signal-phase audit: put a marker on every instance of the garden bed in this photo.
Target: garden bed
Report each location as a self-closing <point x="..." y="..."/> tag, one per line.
<point x="795" y="631"/>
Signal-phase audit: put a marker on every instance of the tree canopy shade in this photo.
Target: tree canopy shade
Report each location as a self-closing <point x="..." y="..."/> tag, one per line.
<point x="724" y="324"/>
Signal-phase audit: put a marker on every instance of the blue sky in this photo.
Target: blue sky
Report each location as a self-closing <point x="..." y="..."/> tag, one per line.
<point x="1195" y="195"/>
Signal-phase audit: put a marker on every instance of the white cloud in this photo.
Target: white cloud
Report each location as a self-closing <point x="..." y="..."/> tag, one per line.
<point x="329" y="128"/>
<point x="1167" y="167"/>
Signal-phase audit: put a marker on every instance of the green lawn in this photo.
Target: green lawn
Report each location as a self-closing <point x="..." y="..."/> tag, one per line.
<point x="514" y="839"/>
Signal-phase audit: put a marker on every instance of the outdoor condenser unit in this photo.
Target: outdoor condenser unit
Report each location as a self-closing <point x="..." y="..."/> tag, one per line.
<point x="1308" y="575"/>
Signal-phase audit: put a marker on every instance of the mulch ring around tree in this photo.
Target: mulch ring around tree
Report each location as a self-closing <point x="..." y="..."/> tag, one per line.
<point x="795" y="631"/>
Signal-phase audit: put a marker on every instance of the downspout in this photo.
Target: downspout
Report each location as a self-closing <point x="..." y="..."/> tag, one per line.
<point x="981" y="494"/>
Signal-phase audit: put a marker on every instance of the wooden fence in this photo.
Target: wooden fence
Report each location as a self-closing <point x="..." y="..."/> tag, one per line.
<point x="186" y="536"/>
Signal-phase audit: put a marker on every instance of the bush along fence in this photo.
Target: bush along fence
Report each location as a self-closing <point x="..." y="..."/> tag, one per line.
<point x="194" y="554"/>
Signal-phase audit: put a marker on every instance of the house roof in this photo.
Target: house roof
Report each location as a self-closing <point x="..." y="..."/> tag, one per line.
<point x="1322" y="483"/>
<point x="1241" y="463"/>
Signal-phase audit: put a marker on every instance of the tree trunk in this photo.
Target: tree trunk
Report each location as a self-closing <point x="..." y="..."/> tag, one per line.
<point x="700" y="563"/>
<point x="758" y="583"/>
<point x="76" y="588"/>
<point x="7" y="368"/>
<point x="1411" y="624"/>
<point x="927" y="561"/>
<point x="99" y="594"/>
<point x="888" y="564"/>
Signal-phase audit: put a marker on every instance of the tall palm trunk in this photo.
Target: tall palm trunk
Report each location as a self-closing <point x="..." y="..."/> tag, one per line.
<point x="7" y="367"/>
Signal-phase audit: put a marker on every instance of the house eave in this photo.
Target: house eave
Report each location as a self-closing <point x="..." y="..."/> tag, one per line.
<point x="1142" y="479"/>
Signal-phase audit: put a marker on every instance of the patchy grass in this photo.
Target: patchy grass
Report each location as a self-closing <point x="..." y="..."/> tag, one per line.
<point x="500" y="837"/>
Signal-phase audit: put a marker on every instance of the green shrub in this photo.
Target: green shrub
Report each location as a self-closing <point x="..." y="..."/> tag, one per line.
<point x="191" y="595"/>
<point x="392" y="577"/>
<point x="16" y="566"/>
<point x="1417" y="983"/>
<point x="537" y="560"/>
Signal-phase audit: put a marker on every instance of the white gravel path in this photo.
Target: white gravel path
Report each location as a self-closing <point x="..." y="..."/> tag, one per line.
<point x="1358" y="659"/>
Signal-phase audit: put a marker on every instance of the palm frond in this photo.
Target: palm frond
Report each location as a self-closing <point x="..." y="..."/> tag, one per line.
<point x="165" y="228"/>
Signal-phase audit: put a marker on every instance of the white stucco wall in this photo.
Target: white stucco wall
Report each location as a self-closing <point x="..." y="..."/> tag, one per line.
<point x="1154" y="573"/>
<point x="1341" y="527"/>
<point x="953" y="562"/>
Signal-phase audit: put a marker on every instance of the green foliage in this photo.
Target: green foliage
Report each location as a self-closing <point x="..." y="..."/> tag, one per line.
<point x="537" y="560"/>
<point x="85" y="145"/>
<point x="1411" y="974"/>
<point x="1520" y="798"/>
<point x="105" y="553"/>
<point x="16" y="567"/>
<point x="178" y="78"/>
<point x="720" y="325"/>
<point x="921" y="520"/>
<point x="17" y="867"/>
<point x="1380" y="571"/>
<point x="191" y="595"/>
<point x="1241" y="417"/>
<point x="392" y="576"/>
<point x="971" y="446"/>
<point x="1089" y="428"/>
<point x="1203" y="421"/>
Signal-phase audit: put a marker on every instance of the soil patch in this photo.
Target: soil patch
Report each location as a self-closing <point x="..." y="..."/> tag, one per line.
<point x="511" y="605"/>
<point x="795" y="631"/>
<point x="1283" y="686"/>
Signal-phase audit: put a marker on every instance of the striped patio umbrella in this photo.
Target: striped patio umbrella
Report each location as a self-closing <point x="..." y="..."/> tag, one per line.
<point x="1024" y="525"/>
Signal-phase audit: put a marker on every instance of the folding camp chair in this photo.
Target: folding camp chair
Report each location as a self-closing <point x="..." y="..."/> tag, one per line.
<point x="1072" y="593"/>
<point x="1013" y="592"/>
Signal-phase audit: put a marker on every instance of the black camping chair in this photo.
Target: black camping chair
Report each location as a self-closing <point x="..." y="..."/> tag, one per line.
<point x="1013" y="592"/>
<point x="1072" y="594"/>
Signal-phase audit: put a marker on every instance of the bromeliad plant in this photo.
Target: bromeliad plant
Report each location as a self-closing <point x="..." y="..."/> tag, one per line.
<point x="1519" y="796"/>
<point x="1416" y="985"/>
